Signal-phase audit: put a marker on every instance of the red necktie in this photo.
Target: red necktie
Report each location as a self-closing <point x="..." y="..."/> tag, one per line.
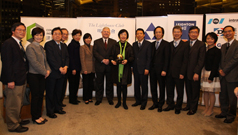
<point x="105" y="43"/>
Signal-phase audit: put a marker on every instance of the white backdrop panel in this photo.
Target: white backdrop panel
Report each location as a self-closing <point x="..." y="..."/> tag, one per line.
<point x="216" y="23"/>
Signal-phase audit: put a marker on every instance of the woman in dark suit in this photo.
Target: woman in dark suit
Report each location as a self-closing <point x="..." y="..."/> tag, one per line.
<point x="88" y="69"/>
<point x="74" y="66"/>
<point x="39" y="70"/>
<point x="121" y="69"/>
<point x="210" y="82"/>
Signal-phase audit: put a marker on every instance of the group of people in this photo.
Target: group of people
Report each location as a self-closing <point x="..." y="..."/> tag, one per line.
<point x="179" y="64"/>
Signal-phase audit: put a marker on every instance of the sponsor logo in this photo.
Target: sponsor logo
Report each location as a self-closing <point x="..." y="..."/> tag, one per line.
<point x="185" y="27"/>
<point x="149" y="33"/>
<point x="29" y="29"/>
<point x="218" y="31"/>
<point x="216" y="21"/>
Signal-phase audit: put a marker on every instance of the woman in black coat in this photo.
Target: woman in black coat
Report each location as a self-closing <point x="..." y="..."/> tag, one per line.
<point x="121" y="69"/>
<point x="74" y="66"/>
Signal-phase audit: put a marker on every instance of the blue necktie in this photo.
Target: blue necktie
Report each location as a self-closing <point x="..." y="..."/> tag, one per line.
<point x="175" y="44"/>
<point x="157" y="45"/>
<point x="59" y="46"/>
<point x="139" y="45"/>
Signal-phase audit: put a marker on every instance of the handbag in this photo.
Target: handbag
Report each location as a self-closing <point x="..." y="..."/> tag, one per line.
<point x="26" y="98"/>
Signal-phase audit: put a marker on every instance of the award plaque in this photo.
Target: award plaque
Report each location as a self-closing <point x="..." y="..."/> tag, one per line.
<point x="119" y="58"/>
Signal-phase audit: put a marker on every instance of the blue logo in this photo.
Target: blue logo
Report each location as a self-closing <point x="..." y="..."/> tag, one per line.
<point x="185" y="27"/>
<point x="216" y="21"/>
<point x="148" y="30"/>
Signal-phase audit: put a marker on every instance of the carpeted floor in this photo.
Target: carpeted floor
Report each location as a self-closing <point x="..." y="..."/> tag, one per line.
<point x="105" y="119"/>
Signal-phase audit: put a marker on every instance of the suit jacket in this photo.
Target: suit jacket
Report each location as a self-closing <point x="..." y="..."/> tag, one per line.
<point x="56" y="58"/>
<point x="229" y="61"/>
<point x="196" y="59"/>
<point x="142" y="56"/>
<point x="100" y="53"/>
<point x="74" y="56"/>
<point x="178" y="59"/>
<point x="37" y="59"/>
<point x="87" y="59"/>
<point x="13" y="64"/>
<point x="160" y="57"/>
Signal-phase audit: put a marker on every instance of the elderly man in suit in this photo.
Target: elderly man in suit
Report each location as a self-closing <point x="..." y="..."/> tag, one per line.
<point x="58" y="59"/>
<point x="228" y="75"/>
<point x="177" y="70"/>
<point x="13" y="77"/>
<point x="101" y="51"/>
<point x="141" y="66"/>
<point x="159" y="68"/>
<point x="195" y="64"/>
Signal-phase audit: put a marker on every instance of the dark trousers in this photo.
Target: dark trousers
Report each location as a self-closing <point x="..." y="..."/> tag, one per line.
<point x="123" y="89"/>
<point x="64" y="87"/>
<point x="193" y="93"/>
<point x="37" y="87"/>
<point x="100" y="86"/>
<point x="73" y="86"/>
<point x="170" y="85"/>
<point x="88" y="86"/>
<point x="154" y="78"/>
<point x="141" y="80"/>
<point x="228" y="99"/>
<point x="53" y="94"/>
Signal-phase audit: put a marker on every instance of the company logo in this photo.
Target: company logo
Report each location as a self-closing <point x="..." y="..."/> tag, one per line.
<point x="149" y="33"/>
<point x="218" y="31"/>
<point x="216" y="21"/>
<point x="185" y="25"/>
<point x="29" y="29"/>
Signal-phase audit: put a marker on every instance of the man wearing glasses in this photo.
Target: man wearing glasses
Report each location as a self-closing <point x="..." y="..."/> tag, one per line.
<point x="228" y="75"/>
<point x="14" y="69"/>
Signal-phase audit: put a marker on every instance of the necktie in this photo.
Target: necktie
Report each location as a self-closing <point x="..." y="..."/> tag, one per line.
<point x="228" y="45"/>
<point x="175" y="44"/>
<point x="191" y="43"/>
<point x="59" y="46"/>
<point x="105" y="43"/>
<point x="23" y="51"/>
<point x="139" y="45"/>
<point x="157" y="45"/>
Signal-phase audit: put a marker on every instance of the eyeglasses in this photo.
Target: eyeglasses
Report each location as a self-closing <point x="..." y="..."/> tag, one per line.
<point x="24" y="30"/>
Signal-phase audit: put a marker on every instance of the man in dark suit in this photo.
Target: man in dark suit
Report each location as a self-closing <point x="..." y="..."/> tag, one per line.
<point x="177" y="70"/>
<point x="13" y="77"/>
<point x="64" y="39"/>
<point x="159" y="68"/>
<point x="196" y="60"/>
<point x="58" y="59"/>
<point x="141" y="66"/>
<point x="101" y="51"/>
<point x="228" y="75"/>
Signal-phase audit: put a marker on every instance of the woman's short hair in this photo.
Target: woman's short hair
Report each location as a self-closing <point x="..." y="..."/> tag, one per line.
<point x="212" y="35"/>
<point x="122" y="31"/>
<point x="37" y="30"/>
<point x="85" y="36"/>
<point x="76" y="31"/>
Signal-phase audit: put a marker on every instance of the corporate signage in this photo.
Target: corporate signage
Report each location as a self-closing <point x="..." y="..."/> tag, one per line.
<point x="216" y="22"/>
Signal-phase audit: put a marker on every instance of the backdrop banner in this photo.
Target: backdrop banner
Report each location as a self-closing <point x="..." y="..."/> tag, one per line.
<point x="148" y="24"/>
<point x="216" y="23"/>
<point x="185" y="21"/>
